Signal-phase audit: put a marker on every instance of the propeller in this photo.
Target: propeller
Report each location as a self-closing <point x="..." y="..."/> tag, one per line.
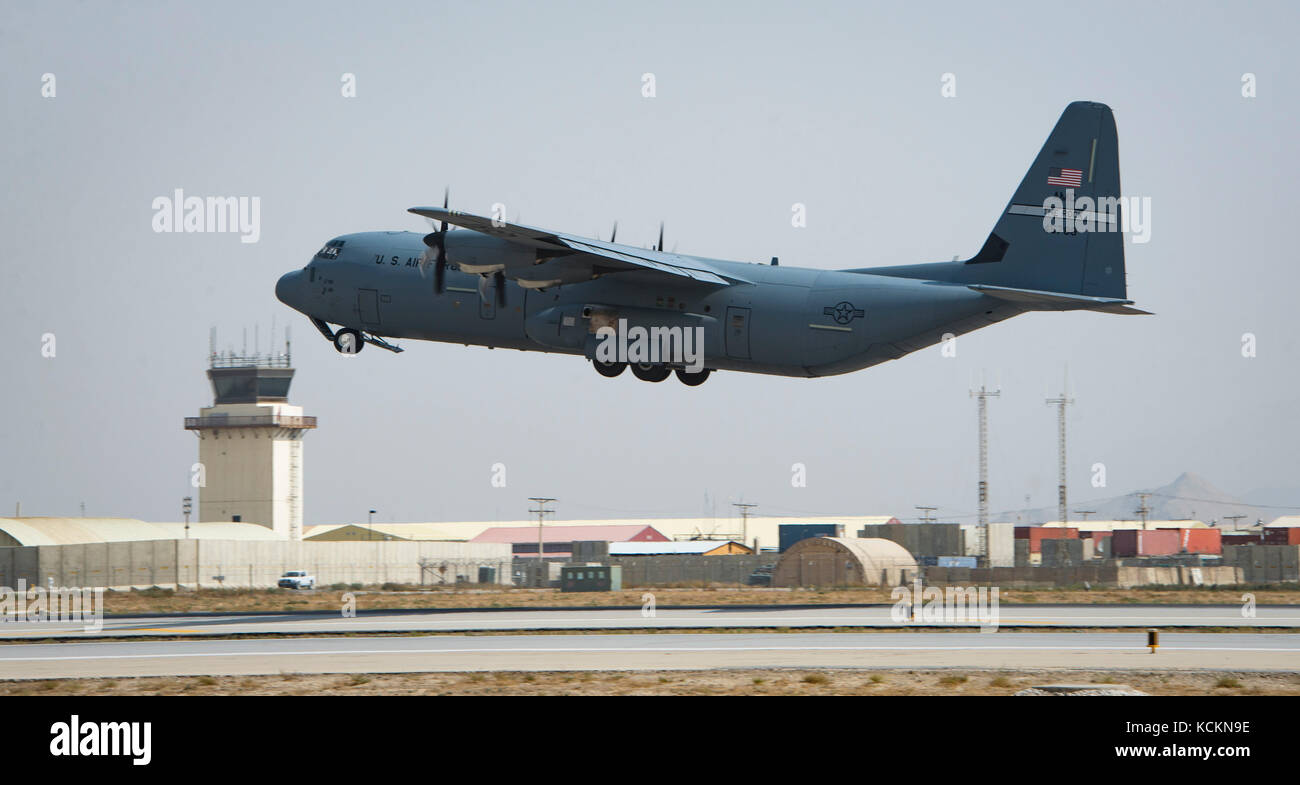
<point x="660" y="246"/>
<point x="437" y="241"/>
<point x="614" y="232"/>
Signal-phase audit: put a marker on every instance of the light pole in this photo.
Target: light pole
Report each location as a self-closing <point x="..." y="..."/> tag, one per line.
<point x="187" y="506"/>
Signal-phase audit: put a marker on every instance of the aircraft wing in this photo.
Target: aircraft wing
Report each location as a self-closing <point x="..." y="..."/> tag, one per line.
<point x="574" y="251"/>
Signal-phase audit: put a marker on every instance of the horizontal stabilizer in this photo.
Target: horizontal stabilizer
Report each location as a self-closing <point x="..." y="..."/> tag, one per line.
<point x="1034" y="300"/>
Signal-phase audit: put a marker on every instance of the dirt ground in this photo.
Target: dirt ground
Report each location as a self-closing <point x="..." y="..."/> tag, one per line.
<point x="225" y="600"/>
<point x="727" y="682"/>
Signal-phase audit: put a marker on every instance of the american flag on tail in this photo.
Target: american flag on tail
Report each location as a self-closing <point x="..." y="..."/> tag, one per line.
<point x="1070" y="178"/>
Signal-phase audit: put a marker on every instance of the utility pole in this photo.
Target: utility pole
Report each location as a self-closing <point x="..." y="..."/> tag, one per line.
<point x="1061" y="402"/>
<point x="982" y="395"/>
<point x="1143" y="510"/>
<point x="370" y="525"/>
<point x="187" y="506"/>
<point x="744" y="521"/>
<point x="1085" y="514"/>
<point x="926" y="517"/>
<point x="1234" y="519"/>
<point x="541" y="512"/>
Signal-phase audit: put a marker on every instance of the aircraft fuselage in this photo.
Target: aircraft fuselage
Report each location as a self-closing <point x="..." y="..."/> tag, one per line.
<point x="788" y="321"/>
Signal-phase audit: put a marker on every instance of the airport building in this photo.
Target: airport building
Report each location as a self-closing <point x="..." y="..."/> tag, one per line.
<point x="119" y="553"/>
<point x="250" y="444"/>
<point x="758" y="533"/>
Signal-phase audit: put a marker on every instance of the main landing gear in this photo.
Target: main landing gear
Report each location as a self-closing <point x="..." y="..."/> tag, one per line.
<point x="649" y="372"/>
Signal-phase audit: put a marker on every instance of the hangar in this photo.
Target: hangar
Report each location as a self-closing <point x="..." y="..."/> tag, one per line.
<point x="844" y="561"/>
<point x="75" y="531"/>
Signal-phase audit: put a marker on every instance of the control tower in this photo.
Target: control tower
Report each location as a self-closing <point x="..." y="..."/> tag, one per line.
<point x="250" y="443"/>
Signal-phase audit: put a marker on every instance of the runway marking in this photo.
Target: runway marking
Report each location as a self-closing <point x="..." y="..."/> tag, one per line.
<point x="626" y="650"/>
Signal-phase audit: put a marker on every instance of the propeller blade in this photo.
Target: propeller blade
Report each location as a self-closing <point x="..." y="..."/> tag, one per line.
<point x="660" y="247"/>
<point x="614" y="232"/>
<point x="435" y="251"/>
<point x="438" y="240"/>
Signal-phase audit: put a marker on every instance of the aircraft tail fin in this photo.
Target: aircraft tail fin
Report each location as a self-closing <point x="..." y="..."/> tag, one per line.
<point x="1083" y="250"/>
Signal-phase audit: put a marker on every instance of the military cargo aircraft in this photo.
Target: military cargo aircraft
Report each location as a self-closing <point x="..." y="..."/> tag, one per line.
<point x="1058" y="246"/>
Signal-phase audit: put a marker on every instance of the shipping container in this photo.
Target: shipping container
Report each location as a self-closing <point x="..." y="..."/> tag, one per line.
<point x="1201" y="540"/>
<point x="1282" y="535"/>
<point x="1094" y="535"/>
<point x="1136" y="542"/>
<point x="790" y="533"/>
<point x="1036" y="535"/>
<point x="1247" y="538"/>
<point x="955" y="561"/>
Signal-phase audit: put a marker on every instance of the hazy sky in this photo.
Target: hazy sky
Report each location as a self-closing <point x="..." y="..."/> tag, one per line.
<point x="539" y="106"/>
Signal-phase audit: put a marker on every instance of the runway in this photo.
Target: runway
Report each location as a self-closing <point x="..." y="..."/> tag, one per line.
<point x="650" y="651"/>
<point x="875" y="616"/>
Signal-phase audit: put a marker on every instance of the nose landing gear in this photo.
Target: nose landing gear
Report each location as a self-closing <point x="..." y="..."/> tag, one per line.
<point x="348" y="341"/>
<point x="351" y="341"/>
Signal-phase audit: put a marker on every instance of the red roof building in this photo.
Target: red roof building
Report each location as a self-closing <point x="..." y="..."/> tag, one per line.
<point x="558" y="540"/>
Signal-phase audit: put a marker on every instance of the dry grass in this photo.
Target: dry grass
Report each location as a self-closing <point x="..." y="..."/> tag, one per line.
<point x="227" y="600"/>
<point x="725" y="682"/>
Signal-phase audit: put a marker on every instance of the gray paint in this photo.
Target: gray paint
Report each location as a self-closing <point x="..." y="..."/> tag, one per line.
<point x="755" y="318"/>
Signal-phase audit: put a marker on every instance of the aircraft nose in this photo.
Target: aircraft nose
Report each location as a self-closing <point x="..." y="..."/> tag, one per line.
<point x="288" y="287"/>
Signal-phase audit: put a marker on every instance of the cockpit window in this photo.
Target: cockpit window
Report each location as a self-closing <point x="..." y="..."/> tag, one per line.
<point x="330" y="250"/>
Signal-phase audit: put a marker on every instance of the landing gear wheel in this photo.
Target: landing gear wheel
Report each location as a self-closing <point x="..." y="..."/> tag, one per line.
<point x="348" y="341"/>
<point x="693" y="379"/>
<point x="609" y="370"/>
<point x="651" y="373"/>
